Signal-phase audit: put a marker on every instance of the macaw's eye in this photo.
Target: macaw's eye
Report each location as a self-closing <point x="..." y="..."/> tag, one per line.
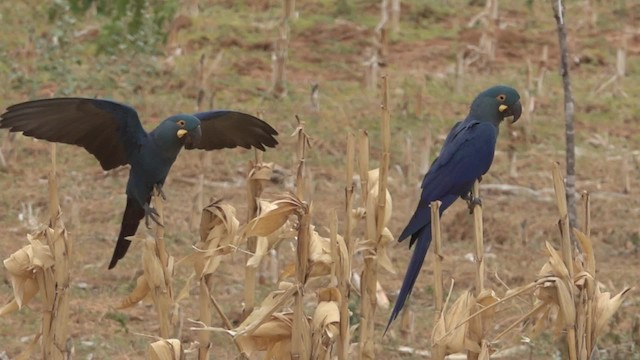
<point x="501" y="97"/>
<point x="180" y="123"/>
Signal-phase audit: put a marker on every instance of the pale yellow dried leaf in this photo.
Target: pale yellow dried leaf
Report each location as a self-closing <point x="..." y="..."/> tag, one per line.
<point x="262" y="247"/>
<point x="261" y="171"/>
<point x="372" y="205"/>
<point x="605" y="307"/>
<point x="479" y="325"/>
<point x="344" y="262"/>
<point x="23" y="293"/>
<point x="320" y="259"/>
<point x="381" y="297"/>
<point x="152" y="267"/>
<point x="170" y="349"/>
<point x="184" y="292"/>
<point x="325" y="323"/>
<point x="269" y="336"/>
<point x="457" y="313"/>
<point x="327" y="312"/>
<point x="274" y="328"/>
<point x="41" y="256"/>
<point x="555" y="260"/>
<point x="211" y="264"/>
<point x="23" y="266"/>
<point x="565" y="301"/>
<point x="270" y="221"/>
<point x="274" y="301"/>
<point x="139" y="292"/>
<point x="587" y="250"/>
<point x="383" y="255"/>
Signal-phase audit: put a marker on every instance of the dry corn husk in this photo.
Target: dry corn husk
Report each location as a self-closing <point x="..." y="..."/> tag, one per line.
<point x="264" y="329"/>
<point x="24" y="267"/>
<point x="273" y="219"/>
<point x="325" y="325"/>
<point x="218" y="236"/>
<point x="265" y="243"/>
<point x="371" y="210"/>
<point x="166" y="349"/>
<point x="451" y="331"/>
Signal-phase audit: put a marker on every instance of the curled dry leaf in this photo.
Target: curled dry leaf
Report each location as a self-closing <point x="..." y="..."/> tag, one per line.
<point x="23" y="267"/>
<point x="218" y="236"/>
<point x="138" y="294"/>
<point x="152" y="267"/>
<point x="372" y="199"/>
<point x="480" y="325"/>
<point x="261" y="171"/>
<point x="272" y="336"/>
<point x="170" y="349"/>
<point x="605" y="307"/>
<point x="383" y="254"/>
<point x="325" y="325"/>
<point x="269" y="221"/>
<point x="457" y="340"/>
<point x="265" y="244"/>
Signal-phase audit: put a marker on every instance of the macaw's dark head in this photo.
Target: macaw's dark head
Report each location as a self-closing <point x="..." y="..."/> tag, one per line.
<point x="497" y="103"/>
<point x="185" y="128"/>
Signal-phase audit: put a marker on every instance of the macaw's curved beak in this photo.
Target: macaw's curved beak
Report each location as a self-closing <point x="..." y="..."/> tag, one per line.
<point x="514" y="110"/>
<point x="192" y="138"/>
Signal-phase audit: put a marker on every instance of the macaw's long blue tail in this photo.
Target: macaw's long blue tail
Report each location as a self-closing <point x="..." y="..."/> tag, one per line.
<point x="417" y="259"/>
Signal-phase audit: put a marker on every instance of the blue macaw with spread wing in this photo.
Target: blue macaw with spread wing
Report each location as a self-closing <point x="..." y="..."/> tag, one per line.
<point x="112" y="132"/>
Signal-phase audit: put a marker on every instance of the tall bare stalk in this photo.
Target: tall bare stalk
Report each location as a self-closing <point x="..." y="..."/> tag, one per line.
<point x="344" y="284"/>
<point x="254" y="190"/>
<point x="558" y="12"/>
<point x="374" y="234"/>
<point x="55" y="317"/>
<point x="438" y="350"/>
<point x="567" y="258"/>
<point x="160" y="281"/>
<point x="300" y="337"/>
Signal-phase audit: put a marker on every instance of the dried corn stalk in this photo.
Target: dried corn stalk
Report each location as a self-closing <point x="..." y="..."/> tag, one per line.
<point x="259" y="175"/>
<point x="325" y="325"/>
<point x="377" y="218"/>
<point x="156" y="281"/>
<point x="264" y="329"/>
<point x="43" y="266"/>
<point x="218" y="236"/>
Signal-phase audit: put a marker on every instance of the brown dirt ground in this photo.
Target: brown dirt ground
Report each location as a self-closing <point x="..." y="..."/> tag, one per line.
<point x="516" y="225"/>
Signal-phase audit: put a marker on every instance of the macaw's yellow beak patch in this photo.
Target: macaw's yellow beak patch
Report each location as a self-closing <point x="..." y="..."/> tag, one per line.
<point x="181" y="133"/>
<point x="502" y="107"/>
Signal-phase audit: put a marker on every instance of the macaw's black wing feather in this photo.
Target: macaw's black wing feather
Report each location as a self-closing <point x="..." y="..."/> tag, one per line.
<point x="133" y="213"/>
<point x="110" y="131"/>
<point x="229" y="129"/>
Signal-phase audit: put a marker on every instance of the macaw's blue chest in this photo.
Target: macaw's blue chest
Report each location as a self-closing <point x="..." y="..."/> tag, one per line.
<point x="149" y="168"/>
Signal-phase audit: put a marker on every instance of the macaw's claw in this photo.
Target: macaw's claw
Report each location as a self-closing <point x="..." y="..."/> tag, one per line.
<point x="152" y="213"/>
<point x="472" y="201"/>
<point x="160" y="192"/>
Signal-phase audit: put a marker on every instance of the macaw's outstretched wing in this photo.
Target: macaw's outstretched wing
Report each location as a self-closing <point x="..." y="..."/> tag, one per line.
<point x="229" y="129"/>
<point x="111" y="131"/>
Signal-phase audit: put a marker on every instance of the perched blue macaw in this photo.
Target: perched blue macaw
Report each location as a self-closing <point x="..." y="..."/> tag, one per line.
<point x="466" y="155"/>
<point x="112" y="132"/>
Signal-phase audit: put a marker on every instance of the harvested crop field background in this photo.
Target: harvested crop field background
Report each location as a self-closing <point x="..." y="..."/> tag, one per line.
<point x="226" y="55"/>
